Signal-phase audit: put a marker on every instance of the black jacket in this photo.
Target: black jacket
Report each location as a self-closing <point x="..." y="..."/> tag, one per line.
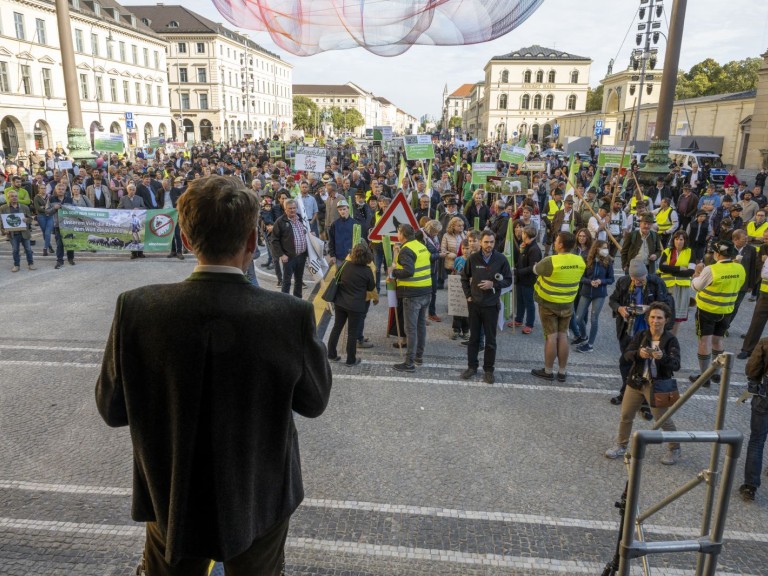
<point x="476" y="270"/>
<point x="354" y="282"/>
<point x="282" y="238"/>
<point x="666" y="366"/>
<point x="654" y="291"/>
<point x="207" y="374"/>
<point x="529" y="256"/>
<point x="750" y="261"/>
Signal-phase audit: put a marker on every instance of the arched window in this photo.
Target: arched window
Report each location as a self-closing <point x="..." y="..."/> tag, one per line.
<point x="503" y="101"/>
<point x="572" y="102"/>
<point x="575" y="77"/>
<point x="540" y="76"/>
<point x="505" y="76"/>
<point x="526" y="102"/>
<point x="551" y="77"/>
<point x="549" y="102"/>
<point x="527" y="77"/>
<point x="537" y="102"/>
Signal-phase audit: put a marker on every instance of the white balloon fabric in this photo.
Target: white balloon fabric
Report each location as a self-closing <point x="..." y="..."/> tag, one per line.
<point x="384" y="27"/>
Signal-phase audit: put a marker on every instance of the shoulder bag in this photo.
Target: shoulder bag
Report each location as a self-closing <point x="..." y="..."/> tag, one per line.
<point x="329" y="295"/>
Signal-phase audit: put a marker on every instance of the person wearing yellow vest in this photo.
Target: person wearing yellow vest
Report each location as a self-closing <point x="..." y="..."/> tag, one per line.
<point x="553" y="207"/>
<point x="757" y="227"/>
<point x="759" y="316"/>
<point x="412" y="271"/>
<point x="638" y="197"/>
<point x="559" y="277"/>
<point x="676" y="268"/>
<point x="717" y="288"/>
<point x="667" y="221"/>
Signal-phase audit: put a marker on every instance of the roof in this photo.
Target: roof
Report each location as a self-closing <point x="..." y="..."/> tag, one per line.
<point x="189" y="22"/>
<point x="463" y="91"/>
<point x="325" y="89"/>
<point x="106" y="15"/>
<point x="713" y="98"/>
<point x="383" y="100"/>
<point x="537" y="52"/>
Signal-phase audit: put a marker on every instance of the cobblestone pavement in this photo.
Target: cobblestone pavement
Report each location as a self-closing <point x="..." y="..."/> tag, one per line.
<point x="416" y="474"/>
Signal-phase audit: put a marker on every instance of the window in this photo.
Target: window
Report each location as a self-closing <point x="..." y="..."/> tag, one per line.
<point x="113" y="89"/>
<point x="537" y="102"/>
<point x="42" y="38"/>
<point x="181" y="48"/>
<point x="5" y="85"/>
<point x="122" y="52"/>
<point x="18" y="21"/>
<point x="173" y="24"/>
<point x="110" y="51"/>
<point x="95" y="44"/>
<point x="551" y="77"/>
<point x="183" y="75"/>
<point x="47" y="85"/>
<point x="200" y="47"/>
<point x="157" y="60"/>
<point x="134" y="53"/>
<point x="126" y="92"/>
<point x="572" y="101"/>
<point x="503" y="101"/>
<point x="527" y="77"/>
<point x="97" y="8"/>
<point x="526" y="102"/>
<point x="549" y="102"/>
<point x="78" y="40"/>
<point x="540" y="76"/>
<point x="84" y="87"/>
<point x="505" y="76"/>
<point x="575" y="77"/>
<point x="145" y="54"/>
<point x="201" y="75"/>
<point x="137" y="92"/>
<point x="203" y="101"/>
<point x="159" y="95"/>
<point x="185" y="100"/>
<point x="148" y="94"/>
<point x="99" y="88"/>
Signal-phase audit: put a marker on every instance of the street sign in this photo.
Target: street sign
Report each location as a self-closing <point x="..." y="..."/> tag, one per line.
<point x="598" y="123"/>
<point x="129" y="115"/>
<point x="556" y="130"/>
<point x="130" y="125"/>
<point x="398" y="212"/>
<point x="598" y="131"/>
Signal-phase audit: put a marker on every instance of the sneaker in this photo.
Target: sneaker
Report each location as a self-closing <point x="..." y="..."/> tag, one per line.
<point x="562" y="376"/>
<point x="279" y="283"/>
<point x="171" y="255"/>
<point x="468" y="373"/>
<point x="435" y="318"/>
<point x="694" y="377"/>
<point x="72" y="262"/>
<point x="334" y="358"/>
<point x="747" y="492"/>
<point x="15" y="269"/>
<point x="465" y="342"/>
<point x="32" y="267"/>
<point x="751" y="299"/>
<point x="543" y="374"/>
<point x="418" y="361"/>
<point x="400" y="345"/>
<point x="671" y="457"/>
<point x="45" y="251"/>
<point x="586" y="348"/>
<point x="616" y="452"/>
<point x="455" y="336"/>
<point x="267" y="266"/>
<point x="645" y="412"/>
<point x="616" y="400"/>
<point x="579" y="340"/>
<point x="465" y="336"/>
<point x="488" y="377"/>
<point x="58" y="265"/>
<point x="404" y="367"/>
<point x="742" y="355"/>
<point x="527" y="330"/>
<point x="364" y="344"/>
<point x="180" y="256"/>
<point x="355" y="363"/>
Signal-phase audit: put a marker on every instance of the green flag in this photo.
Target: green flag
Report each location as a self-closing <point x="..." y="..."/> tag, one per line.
<point x="429" y="173"/>
<point x="457" y="169"/>
<point x="356" y="234"/>
<point x="479" y="157"/>
<point x="523" y="140"/>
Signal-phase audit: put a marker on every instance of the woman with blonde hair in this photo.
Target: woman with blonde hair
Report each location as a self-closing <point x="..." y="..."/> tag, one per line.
<point x="451" y="243"/>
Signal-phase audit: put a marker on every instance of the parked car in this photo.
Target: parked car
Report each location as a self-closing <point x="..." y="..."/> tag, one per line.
<point x="686" y="157"/>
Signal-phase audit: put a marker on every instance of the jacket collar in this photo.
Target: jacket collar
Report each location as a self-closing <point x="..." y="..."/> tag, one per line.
<point x="217" y="277"/>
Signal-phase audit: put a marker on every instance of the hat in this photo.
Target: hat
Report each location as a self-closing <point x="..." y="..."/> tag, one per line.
<point x="359" y="192"/>
<point x="342" y="204"/>
<point x="725" y="248"/>
<point x="557" y="191"/>
<point x="268" y="194"/>
<point x="701" y="213"/>
<point x="451" y="202"/>
<point x="605" y="206"/>
<point x="568" y="200"/>
<point x="736" y="208"/>
<point x="326" y="178"/>
<point x="446" y="193"/>
<point x="591" y="190"/>
<point x="637" y="268"/>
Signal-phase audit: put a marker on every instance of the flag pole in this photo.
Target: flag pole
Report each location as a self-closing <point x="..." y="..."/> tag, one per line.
<point x="624" y="151"/>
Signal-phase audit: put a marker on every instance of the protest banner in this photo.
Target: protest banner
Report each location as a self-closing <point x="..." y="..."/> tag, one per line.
<point x="117" y="230"/>
<point x="275" y="149"/>
<point x="612" y="156"/>
<point x="16" y="222"/>
<point x="513" y="154"/>
<point x="104" y="142"/>
<point x="382" y="133"/>
<point x="481" y="170"/>
<point x="156" y="141"/>
<point x="457" y="301"/>
<point x="419" y="147"/>
<point x="310" y="159"/>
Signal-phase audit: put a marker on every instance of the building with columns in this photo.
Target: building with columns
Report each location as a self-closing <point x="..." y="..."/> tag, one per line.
<point x="121" y="67"/>
<point x="223" y="86"/>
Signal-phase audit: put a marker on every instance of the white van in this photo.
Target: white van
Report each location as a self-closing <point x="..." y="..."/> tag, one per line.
<point x="685" y="158"/>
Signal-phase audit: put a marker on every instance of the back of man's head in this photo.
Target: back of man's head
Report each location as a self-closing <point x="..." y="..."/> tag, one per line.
<point x="216" y="215"/>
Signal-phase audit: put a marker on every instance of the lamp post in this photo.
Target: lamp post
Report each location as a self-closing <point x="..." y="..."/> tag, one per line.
<point x="77" y="142"/>
<point x="642" y="57"/>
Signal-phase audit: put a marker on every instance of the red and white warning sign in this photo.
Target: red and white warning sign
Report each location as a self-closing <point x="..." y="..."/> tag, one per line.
<point x="398" y="212"/>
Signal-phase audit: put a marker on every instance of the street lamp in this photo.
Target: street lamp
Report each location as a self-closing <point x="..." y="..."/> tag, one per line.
<point x="645" y="56"/>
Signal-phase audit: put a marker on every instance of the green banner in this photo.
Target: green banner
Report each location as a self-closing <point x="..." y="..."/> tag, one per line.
<point x="108" y="143"/>
<point x="117" y="230"/>
<point x="275" y="149"/>
<point x="481" y="171"/>
<point x="419" y="147"/>
<point x="610" y="157"/>
<point x="513" y="154"/>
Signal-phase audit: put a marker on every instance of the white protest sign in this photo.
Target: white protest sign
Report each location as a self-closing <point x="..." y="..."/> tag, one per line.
<point x="310" y="159"/>
<point x="16" y="222"/>
<point x="457" y="302"/>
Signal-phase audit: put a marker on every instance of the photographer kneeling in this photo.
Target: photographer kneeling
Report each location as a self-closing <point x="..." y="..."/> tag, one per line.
<point x="655" y="355"/>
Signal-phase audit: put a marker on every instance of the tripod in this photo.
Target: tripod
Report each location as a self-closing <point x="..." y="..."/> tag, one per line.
<point x="612" y="567"/>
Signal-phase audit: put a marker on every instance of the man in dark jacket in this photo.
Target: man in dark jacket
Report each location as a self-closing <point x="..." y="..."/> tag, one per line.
<point x="643" y="243"/>
<point x="340" y="234"/>
<point x="484" y="276"/>
<point x="187" y="371"/>
<point x="289" y="245"/>
<point x="757" y="381"/>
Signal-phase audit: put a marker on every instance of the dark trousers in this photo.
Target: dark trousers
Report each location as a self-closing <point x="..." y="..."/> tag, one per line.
<point x="379" y="262"/>
<point x="294" y="268"/>
<point x="759" y="318"/>
<point x="60" y="248"/>
<point x="758" y="430"/>
<point x="487" y="318"/>
<point x="265" y="557"/>
<point x="432" y="311"/>
<point x="176" y="246"/>
<point x="355" y="321"/>
<point x="526" y="306"/>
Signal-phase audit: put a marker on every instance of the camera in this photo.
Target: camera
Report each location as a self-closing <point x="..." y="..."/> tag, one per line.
<point x="635" y="309"/>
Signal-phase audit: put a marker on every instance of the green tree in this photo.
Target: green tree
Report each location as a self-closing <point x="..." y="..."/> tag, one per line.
<point x="454" y="122"/>
<point x="346" y="119"/>
<point x="595" y="99"/>
<point x="708" y="78"/>
<point x="739" y="75"/>
<point x="303" y="120"/>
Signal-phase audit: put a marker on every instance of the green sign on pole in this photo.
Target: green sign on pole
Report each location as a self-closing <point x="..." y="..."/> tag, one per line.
<point x="513" y="154"/>
<point x="481" y="171"/>
<point x="419" y="147"/>
<point x="610" y="157"/>
<point x="275" y="149"/>
<point x="108" y="143"/>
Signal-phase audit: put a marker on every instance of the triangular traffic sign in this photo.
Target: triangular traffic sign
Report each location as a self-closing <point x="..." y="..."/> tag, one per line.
<point x="398" y="212"/>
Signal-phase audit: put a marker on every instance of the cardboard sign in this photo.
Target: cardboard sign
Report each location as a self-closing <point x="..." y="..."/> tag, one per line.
<point x="310" y="159"/>
<point x="610" y="157"/>
<point x="16" y="222"/>
<point x="457" y="302"/>
<point x="398" y="212"/>
<point x="533" y="166"/>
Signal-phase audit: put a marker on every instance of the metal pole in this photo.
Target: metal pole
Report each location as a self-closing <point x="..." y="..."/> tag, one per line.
<point x="646" y="52"/>
<point x="633" y="491"/>
<point x="669" y="76"/>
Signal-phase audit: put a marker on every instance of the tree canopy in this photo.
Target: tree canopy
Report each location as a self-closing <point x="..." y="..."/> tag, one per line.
<point x="708" y="78"/>
<point x="348" y="119"/>
<point x="302" y="120"/>
<point x="595" y="99"/>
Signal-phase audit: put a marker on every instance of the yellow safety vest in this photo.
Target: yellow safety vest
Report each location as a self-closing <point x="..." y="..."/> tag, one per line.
<point x="633" y="203"/>
<point x="663" y="221"/>
<point x="683" y="259"/>
<point x="720" y="296"/>
<point x="422" y="276"/>
<point x="756" y="233"/>
<point x="552" y="207"/>
<point x="563" y="285"/>
<point x="764" y="286"/>
<point x="376" y="218"/>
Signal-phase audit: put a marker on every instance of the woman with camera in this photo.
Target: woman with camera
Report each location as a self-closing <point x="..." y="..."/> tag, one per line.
<point x="655" y="356"/>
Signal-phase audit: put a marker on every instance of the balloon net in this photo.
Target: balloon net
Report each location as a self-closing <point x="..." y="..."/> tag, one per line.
<point x="384" y="27"/>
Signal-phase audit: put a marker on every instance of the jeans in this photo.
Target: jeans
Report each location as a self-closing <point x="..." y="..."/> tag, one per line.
<point x="46" y="227"/>
<point x="379" y="262"/>
<point x="573" y="326"/>
<point x="415" y="319"/>
<point x="594" y="317"/>
<point x="526" y="307"/>
<point x="294" y="268"/>
<point x="482" y="322"/>
<point x="432" y="311"/>
<point x="758" y="430"/>
<point x="17" y="241"/>
<point x="176" y="246"/>
<point x="60" y="248"/>
<point x="355" y="322"/>
<point x="251" y="274"/>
